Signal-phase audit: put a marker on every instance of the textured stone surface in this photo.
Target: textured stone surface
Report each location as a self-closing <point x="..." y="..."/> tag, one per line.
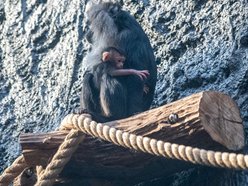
<point x="199" y="45"/>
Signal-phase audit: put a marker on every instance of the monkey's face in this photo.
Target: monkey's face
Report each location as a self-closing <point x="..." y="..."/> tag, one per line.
<point x="118" y="60"/>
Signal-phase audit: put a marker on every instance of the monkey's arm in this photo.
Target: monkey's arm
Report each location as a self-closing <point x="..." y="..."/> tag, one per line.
<point x="143" y="74"/>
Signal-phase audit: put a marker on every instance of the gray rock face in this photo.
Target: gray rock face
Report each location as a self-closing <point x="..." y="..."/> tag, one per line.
<point x="199" y="45"/>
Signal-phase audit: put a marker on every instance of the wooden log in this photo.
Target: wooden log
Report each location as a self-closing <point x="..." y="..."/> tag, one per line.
<point x="209" y="120"/>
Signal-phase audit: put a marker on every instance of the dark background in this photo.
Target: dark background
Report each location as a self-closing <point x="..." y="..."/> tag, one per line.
<point x="199" y="45"/>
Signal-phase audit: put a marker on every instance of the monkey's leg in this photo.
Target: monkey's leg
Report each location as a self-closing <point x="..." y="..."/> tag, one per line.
<point x="135" y="87"/>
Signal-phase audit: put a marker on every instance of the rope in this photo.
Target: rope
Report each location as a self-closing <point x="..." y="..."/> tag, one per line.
<point x="39" y="171"/>
<point x="13" y="171"/>
<point x="62" y="156"/>
<point x="153" y="146"/>
<point x="85" y="124"/>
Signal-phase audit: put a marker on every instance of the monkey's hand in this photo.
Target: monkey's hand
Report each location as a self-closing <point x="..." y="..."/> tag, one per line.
<point x="113" y="9"/>
<point x="146" y="89"/>
<point x="143" y="74"/>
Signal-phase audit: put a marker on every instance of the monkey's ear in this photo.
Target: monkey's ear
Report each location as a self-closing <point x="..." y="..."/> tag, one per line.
<point x="105" y="56"/>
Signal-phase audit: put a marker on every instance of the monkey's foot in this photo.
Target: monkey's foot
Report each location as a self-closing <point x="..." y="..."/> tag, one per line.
<point x="80" y="111"/>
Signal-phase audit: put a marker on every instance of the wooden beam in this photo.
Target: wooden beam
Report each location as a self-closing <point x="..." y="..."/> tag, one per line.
<point x="209" y="120"/>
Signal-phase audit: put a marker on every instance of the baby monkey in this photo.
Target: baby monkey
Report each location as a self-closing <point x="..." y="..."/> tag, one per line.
<point x="115" y="60"/>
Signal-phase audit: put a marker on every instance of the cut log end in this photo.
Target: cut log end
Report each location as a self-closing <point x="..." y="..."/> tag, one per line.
<point x="220" y="117"/>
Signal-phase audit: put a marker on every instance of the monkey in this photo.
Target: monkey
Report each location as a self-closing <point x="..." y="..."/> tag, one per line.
<point x="109" y="25"/>
<point x="103" y="95"/>
<point x="115" y="60"/>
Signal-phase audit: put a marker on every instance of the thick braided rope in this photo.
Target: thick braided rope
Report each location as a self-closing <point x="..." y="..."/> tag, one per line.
<point x="39" y="171"/>
<point x="62" y="156"/>
<point x="13" y="171"/>
<point x="155" y="147"/>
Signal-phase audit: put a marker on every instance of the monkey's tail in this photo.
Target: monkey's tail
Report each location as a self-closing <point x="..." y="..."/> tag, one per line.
<point x="88" y="95"/>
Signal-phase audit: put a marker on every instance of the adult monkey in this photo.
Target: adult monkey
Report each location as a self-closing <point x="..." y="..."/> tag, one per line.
<point x="109" y="25"/>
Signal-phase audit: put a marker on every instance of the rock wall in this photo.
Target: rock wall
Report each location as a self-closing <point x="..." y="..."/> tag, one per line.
<point x="199" y="45"/>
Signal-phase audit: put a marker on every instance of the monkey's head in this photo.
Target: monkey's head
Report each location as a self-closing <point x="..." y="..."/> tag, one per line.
<point x="114" y="57"/>
<point x="100" y="16"/>
<point x="93" y="7"/>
